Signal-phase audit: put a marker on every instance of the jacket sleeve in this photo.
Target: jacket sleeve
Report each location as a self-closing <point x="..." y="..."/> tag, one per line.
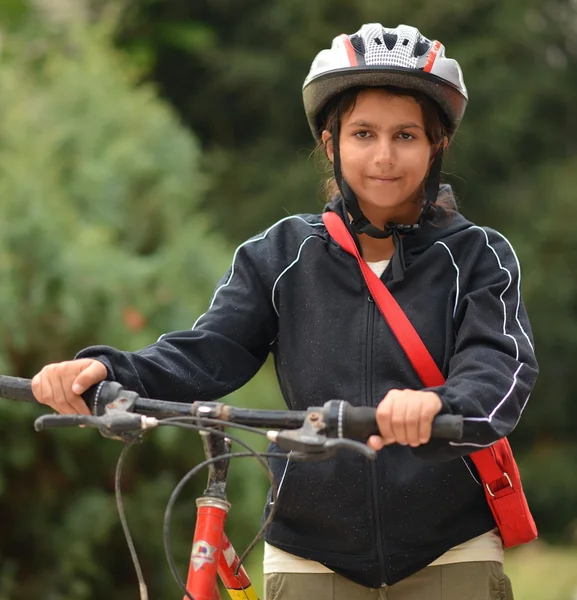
<point x="225" y="347"/>
<point x="493" y="367"/>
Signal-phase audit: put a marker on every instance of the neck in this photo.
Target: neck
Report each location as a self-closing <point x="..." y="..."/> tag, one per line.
<point x="375" y="250"/>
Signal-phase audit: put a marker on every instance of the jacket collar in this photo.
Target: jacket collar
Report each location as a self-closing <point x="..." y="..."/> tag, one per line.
<point x="431" y="231"/>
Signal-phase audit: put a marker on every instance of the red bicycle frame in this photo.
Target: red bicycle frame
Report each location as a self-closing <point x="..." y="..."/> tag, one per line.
<point x="212" y="553"/>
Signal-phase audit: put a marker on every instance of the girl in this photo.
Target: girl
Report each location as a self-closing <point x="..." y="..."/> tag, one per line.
<point x="383" y="104"/>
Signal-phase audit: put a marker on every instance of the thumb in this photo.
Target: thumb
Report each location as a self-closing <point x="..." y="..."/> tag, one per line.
<point x="376" y="442"/>
<point x="91" y="373"/>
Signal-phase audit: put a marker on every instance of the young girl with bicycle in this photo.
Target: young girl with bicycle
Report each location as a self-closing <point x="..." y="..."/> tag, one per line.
<point x="383" y="104"/>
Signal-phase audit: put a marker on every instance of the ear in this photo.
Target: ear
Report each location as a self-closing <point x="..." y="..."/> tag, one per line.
<point x="327" y="140"/>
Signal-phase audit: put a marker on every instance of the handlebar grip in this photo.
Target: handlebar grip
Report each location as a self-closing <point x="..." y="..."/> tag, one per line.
<point x="448" y="427"/>
<point x="359" y="423"/>
<point x="50" y="421"/>
<point x="16" y="388"/>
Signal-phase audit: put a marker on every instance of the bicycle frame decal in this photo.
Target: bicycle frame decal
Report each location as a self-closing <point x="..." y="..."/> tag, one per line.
<point x="202" y="553"/>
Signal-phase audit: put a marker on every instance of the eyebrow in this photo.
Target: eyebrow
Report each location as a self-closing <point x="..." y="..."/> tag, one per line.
<point x="361" y="123"/>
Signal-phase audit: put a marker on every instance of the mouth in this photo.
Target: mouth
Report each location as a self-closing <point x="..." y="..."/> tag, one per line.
<point x="385" y="179"/>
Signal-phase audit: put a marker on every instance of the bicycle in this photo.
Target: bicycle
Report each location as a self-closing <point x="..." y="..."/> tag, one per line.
<point x="314" y="434"/>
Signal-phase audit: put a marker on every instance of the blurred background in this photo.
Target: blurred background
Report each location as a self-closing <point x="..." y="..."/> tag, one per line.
<point x="141" y="141"/>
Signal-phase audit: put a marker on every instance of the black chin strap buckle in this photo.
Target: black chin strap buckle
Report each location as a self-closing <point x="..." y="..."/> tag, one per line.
<point x="403" y="229"/>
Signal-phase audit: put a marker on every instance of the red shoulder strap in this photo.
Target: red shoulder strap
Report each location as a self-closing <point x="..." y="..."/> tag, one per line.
<point x="399" y="323"/>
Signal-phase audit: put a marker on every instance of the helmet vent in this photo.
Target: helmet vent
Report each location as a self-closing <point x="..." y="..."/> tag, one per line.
<point x="378" y="41"/>
<point x="358" y="43"/>
<point x="422" y="47"/>
<point x="405" y="42"/>
<point x="390" y="40"/>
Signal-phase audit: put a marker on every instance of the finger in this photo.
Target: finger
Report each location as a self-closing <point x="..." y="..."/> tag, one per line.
<point x="413" y="416"/>
<point x="75" y="404"/>
<point x="69" y="373"/>
<point x="94" y="372"/>
<point x="59" y="401"/>
<point x="47" y="391"/>
<point x="376" y="442"/>
<point x="36" y="387"/>
<point x="398" y="417"/>
<point x="48" y="394"/>
<point x="383" y="417"/>
<point x="425" y="425"/>
<point x="430" y="410"/>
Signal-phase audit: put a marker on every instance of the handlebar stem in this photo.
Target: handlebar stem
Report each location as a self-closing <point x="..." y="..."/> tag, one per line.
<point x="216" y="445"/>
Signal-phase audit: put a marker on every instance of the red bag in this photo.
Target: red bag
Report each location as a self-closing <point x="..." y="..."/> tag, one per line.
<point x="496" y="465"/>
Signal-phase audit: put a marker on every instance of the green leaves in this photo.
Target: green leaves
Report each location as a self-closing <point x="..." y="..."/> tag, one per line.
<point x="100" y="185"/>
<point x="101" y="241"/>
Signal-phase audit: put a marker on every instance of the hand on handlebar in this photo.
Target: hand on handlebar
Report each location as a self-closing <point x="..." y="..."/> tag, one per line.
<point x="405" y="417"/>
<point x="60" y="385"/>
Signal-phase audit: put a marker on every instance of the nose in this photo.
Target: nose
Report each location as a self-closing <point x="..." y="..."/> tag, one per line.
<point x="384" y="152"/>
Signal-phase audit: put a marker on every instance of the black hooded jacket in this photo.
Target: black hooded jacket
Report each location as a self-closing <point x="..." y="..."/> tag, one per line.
<point x="294" y="292"/>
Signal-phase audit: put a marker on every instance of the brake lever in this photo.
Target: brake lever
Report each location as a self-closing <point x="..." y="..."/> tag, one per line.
<point x="305" y="446"/>
<point x="335" y="444"/>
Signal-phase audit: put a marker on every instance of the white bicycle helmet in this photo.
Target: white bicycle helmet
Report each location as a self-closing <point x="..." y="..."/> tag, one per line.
<point x="379" y="56"/>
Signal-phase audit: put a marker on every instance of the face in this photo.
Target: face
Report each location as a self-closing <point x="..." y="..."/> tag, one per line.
<point x="385" y="154"/>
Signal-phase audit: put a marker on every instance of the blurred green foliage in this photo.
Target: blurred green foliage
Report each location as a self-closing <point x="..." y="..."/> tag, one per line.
<point x="125" y="169"/>
<point x="93" y="173"/>
<point x="101" y="239"/>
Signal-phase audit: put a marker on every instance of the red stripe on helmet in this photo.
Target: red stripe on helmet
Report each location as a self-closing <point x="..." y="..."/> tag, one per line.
<point x="350" y="50"/>
<point x="432" y="56"/>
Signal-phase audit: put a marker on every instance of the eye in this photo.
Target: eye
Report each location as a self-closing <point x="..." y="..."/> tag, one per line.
<point x="362" y="135"/>
<point x="406" y="136"/>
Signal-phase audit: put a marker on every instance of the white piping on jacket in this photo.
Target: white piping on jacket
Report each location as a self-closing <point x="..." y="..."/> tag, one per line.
<point x="251" y="241"/>
<point x="514" y="383"/>
<point x="509" y="392"/>
<point x="294" y="262"/>
<point x="503" y="292"/>
<point x="282" y="479"/>
<point x="521" y="411"/>
<point x="458" y="272"/>
<point x="518" y="286"/>
<point x="469" y="469"/>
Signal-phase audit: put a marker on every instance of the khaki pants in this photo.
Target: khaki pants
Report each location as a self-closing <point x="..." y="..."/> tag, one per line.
<point x="459" y="581"/>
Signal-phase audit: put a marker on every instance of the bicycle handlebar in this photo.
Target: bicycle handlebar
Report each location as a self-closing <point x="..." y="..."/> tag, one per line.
<point x="112" y="423"/>
<point x="16" y="388"/>
<point x="120" y="411"/>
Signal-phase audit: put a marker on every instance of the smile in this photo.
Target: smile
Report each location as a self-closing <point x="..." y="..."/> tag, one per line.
<point x="385" y="179"/>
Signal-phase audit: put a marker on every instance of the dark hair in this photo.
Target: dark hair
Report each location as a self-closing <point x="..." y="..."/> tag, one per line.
<point x="436" y="128"/>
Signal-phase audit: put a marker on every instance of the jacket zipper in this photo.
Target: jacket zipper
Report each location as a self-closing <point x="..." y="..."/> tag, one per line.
<point x="369" y="401"/>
